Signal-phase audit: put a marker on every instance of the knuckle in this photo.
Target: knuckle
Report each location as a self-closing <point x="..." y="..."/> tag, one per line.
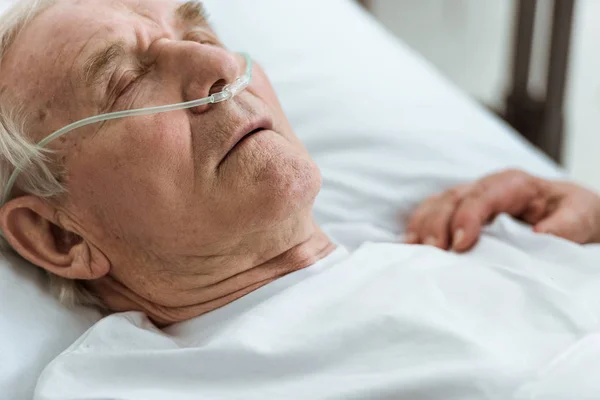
<point x="512" y="178"/>
<point x="416" y="221"/>
<point x="436" y="226"/>
<point x="482" y="186"/>
<point x="514" y="173"/>
<point x="413" y="225"/>
<point x="453" y="196"/>
<point x="521" y="181"/>
<point x="477" y="195"/>
<point x="419" y="214"/>
<point x="466" y="215"/>
<point x="439" y="222"/>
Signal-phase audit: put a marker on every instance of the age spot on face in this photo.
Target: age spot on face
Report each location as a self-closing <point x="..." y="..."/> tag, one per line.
<point x="42" y="114"/>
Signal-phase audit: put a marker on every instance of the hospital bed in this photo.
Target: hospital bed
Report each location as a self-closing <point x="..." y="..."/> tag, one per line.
<point x="385" y="128"/>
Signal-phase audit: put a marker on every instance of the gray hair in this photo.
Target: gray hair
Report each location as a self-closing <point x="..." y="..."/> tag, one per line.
<point x="17" y="149"/>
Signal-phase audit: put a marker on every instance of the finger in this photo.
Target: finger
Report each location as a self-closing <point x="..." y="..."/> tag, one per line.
<point x="411" y="238"/>
<point x="466" y="223"/>
<point x="476" y="209"/>
<point x="509" y="192"/>
<point x="415" y="223"/>
<point x="435" y="227"/>
<point x="566" y="223"/>
<point x="536" y="211"/>
<point x="415" y="228"/>
<point x="406" y="236"/>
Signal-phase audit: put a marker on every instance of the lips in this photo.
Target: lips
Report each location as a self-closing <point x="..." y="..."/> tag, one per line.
<point x="246" y="136"/>
<point x="247" y="131"/>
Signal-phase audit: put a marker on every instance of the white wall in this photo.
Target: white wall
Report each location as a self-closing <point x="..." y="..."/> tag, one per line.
<point x="583" y="147"/>
<point x="466" y="39"/>
<point x="470" y="41"/>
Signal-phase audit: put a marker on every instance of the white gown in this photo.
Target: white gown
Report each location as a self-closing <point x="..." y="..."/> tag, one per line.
<point x="516" y="318"/>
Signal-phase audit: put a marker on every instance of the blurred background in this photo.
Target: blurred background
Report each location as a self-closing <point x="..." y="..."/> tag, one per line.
<point x="536" y="63"/>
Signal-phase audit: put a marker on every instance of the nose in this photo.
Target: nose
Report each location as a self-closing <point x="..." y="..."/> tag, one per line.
<point x="203" y="69"/>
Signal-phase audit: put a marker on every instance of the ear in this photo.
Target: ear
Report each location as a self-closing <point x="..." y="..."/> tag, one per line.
<point x="34" y="230"/>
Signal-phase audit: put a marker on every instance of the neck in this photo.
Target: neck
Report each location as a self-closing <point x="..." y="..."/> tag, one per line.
<point x="191" y="294"/>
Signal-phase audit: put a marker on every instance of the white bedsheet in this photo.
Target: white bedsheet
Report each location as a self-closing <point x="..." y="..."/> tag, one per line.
<point x="516" y="318"/>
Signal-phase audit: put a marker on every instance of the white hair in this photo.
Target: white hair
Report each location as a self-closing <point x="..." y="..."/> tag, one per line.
<point x="39" y="175"/>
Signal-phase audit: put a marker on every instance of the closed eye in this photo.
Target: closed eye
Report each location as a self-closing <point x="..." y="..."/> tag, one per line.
<point x="127" y="87"/>
<point x="201" y="37"/>
<point x="130" y="80"/>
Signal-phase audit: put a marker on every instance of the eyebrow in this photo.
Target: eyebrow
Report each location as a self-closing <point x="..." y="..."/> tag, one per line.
<point x="96" y="66"/>
<point x="101" y="61"/>
<point x="192" y="13"/>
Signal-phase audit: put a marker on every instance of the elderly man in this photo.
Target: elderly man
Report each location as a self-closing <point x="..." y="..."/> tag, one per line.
<point x="229" y="185"/>
<point x="201" y="219"/>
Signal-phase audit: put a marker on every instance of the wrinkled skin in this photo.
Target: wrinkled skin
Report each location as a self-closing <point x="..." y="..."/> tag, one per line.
<point x="164" y="213"/>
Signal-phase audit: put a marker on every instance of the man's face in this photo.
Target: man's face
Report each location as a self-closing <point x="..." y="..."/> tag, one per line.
<point x="172" y="185"/>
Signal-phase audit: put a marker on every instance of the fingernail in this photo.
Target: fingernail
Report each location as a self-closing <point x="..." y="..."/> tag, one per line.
<point x="459" y="236"/>
<point x="431" y="241"/>
<point x="410" y="237"/>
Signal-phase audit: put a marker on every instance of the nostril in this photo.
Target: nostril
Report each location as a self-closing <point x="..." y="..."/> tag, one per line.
<point x="217" y="87"/>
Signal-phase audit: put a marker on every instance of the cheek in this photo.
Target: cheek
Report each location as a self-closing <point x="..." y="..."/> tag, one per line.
<point x="139" y="170"/>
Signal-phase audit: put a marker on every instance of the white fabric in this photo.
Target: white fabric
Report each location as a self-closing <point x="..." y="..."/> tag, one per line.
<point x="384" y="127"/>
<point x="520" y="316"/>
<point x="34" y="328"/>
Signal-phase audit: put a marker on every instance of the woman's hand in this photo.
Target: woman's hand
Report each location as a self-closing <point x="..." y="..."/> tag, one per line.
<point x="454" y="218"/>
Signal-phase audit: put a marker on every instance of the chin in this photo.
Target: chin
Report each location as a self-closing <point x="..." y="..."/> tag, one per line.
<point x="274" y="178"/>
<point x="293" y="188"/>
<point x="286" y="188"/>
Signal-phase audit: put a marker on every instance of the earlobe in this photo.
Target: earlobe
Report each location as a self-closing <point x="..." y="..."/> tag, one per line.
<point x="87" y="262"/>
<point x="31" y="227"/>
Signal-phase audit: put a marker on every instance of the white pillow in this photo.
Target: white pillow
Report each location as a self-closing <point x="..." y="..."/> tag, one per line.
<point x="385" y="128"/>
<point x="34" y="328"/>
